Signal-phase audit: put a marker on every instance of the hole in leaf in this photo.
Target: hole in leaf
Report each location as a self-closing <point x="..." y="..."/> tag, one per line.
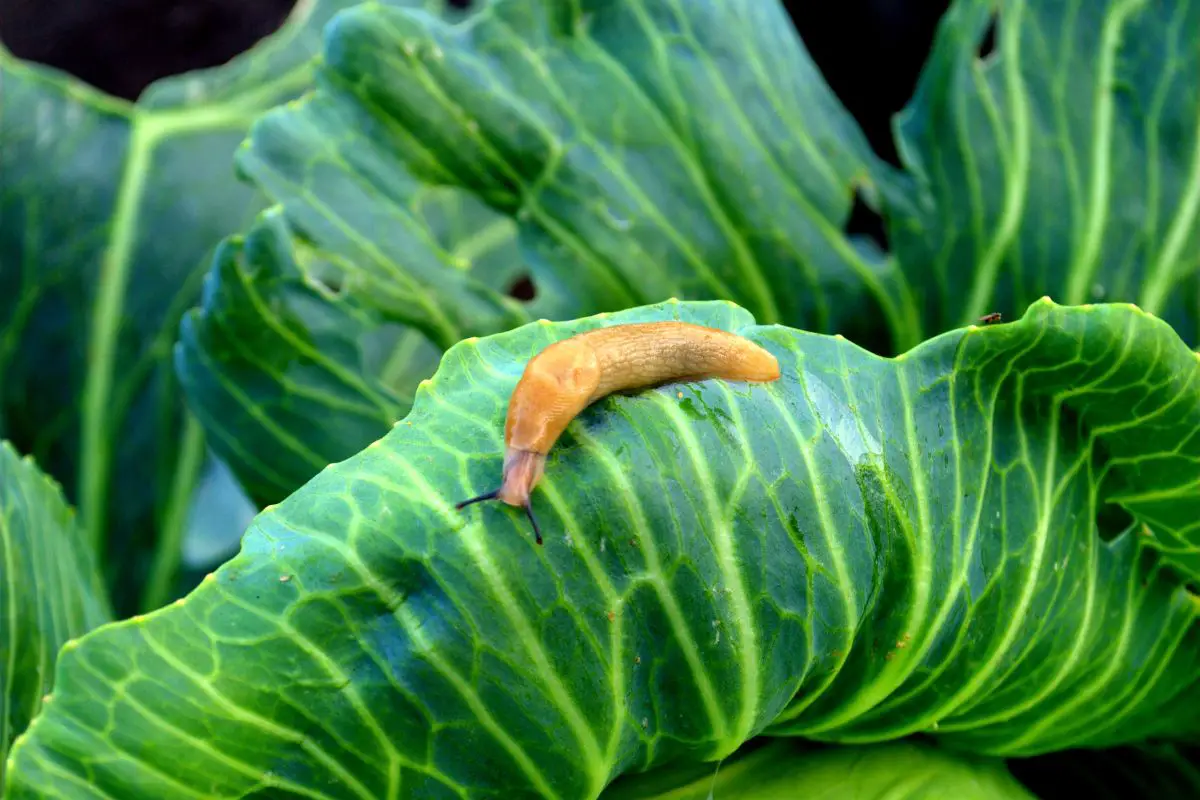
<point x="864" y="221"/>
<point x="987" y="45"/>
<point x="331" y="283"/>
<point x="522" y="289"/>
<point x="461" y="5"/>
<point x="323" y="275"/>
<point x="1112" y="520"/>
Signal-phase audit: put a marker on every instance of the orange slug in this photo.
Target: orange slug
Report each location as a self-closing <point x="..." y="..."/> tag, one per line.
<point x="568" y="376"/>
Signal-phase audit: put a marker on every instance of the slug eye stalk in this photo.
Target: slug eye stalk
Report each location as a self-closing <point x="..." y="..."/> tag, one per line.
<point x="492" y="495"/>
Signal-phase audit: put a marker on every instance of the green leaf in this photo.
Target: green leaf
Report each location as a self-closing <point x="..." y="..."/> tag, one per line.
<point x="645" y="151"/>
<point x="50" y="591"/>
<point x="108" y="214"/>
<point x="865" y="549"/>
<point x="318" y="324"/>
<point x="290" y="369"/>
<point x="783" y="769"/>
<point x="286" y="374"/>
<point x="386" y="236"/>
<point x="1066" y="163"/>
<point x="354" y="166"/>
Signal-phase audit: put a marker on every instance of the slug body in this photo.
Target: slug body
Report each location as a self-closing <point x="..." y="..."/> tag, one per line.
<point x="568" y="376"/>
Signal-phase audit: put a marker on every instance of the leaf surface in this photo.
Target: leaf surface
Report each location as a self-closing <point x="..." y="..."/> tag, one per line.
<point x="318" y="323"/>
<point x="50" y="591"/>
<point x="108" y="213"/>
<point x="770" y="771"/>
<point x="425" y="212"/>
<point x="625" y="153"/>
<point x="864" y="549"/>
<point x="645" y="151"/>
<point x="286" y="374"/>
<point x="290" y="369"/>
<point x="1066" y="162"/>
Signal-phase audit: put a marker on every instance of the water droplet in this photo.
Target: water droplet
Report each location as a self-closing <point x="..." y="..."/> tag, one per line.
<point x="1098" y="291"/>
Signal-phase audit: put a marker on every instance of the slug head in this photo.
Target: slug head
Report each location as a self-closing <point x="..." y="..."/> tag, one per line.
<point x="522" y="471"/>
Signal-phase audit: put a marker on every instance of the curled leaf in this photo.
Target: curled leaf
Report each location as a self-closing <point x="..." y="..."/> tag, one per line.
<point x="865" y="549"/>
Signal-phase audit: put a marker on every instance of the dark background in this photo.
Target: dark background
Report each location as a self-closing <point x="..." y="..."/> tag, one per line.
<point x="870" y="51"/>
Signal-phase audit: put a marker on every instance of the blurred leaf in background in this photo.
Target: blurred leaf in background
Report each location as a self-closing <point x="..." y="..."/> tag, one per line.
<point x="50" y="590"/>
<point x="109" y="213"/>
<point x="1054" y="149"/>
<point x="293" y="360"/>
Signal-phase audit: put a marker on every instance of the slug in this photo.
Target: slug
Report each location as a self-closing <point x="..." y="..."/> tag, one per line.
<point x="568" y="376"/>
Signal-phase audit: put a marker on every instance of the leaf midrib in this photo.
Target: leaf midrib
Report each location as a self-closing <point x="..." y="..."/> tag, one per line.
<point x="148" y="129"/>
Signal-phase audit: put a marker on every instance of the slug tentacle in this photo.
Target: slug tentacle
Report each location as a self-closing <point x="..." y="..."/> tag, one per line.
<point x="568" y="376"/>
<point x="492" y="495"/>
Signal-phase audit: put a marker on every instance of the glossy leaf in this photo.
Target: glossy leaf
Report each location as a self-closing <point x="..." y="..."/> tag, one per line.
<point x="783" y="769"/>
<point x="862" y="550"/>
<point x="50" y="591"/>
<point x="646" y="150"/>
<point x="316" y="326"/>
<point x="354" y="165"/>
<point x="1065" y="162"/>
<point x="286" y="374"/>
<point x="108" y="213"/>
<point x="290" y="369"/>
